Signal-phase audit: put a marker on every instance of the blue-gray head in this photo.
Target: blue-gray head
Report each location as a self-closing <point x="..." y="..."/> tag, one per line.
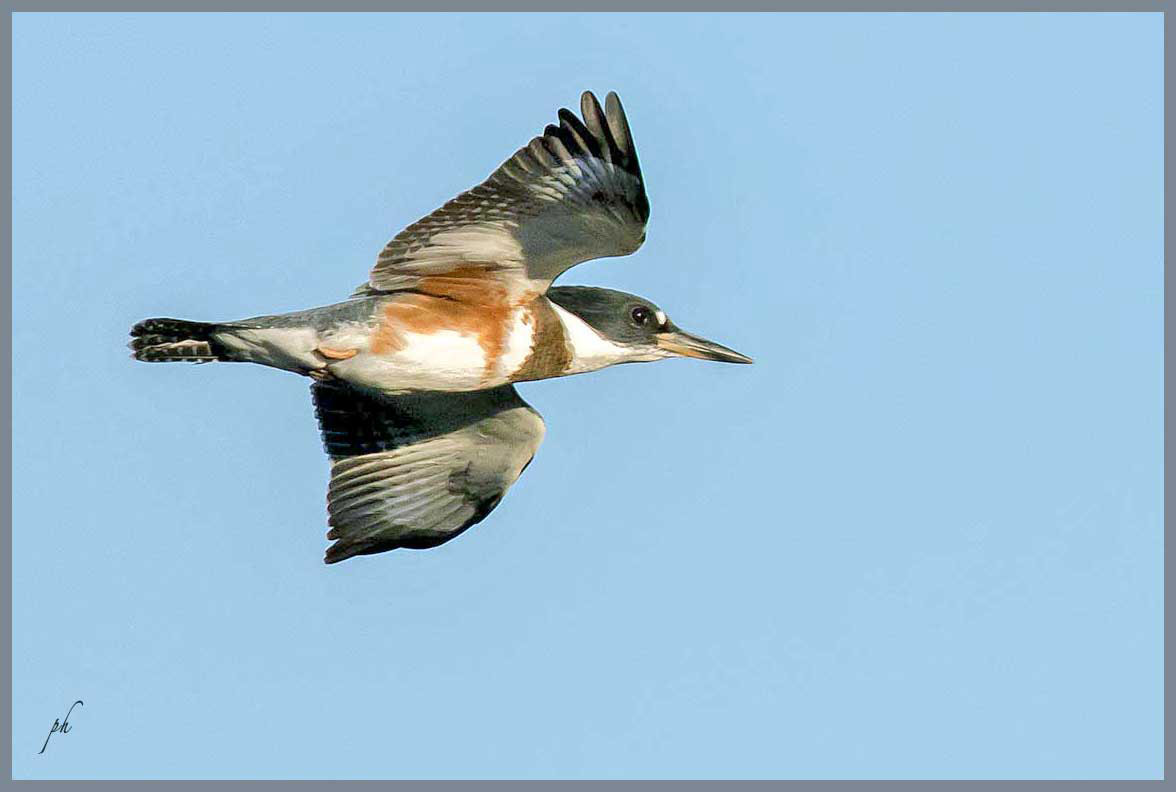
<point x="637" y="326"/>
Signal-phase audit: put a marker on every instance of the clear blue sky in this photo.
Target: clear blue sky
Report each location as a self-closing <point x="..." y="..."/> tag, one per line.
<point x="921" y="537"/>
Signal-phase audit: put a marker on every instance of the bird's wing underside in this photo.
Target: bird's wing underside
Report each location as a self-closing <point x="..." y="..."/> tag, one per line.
<point x="416" y="470"/>
<point x="572" y="194"/>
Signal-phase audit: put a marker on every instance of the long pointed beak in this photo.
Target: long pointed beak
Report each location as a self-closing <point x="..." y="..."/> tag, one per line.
<point x="679" y="342"/>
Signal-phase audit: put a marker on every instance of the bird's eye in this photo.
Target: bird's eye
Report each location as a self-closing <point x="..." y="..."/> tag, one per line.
<point x="640" y="314"/>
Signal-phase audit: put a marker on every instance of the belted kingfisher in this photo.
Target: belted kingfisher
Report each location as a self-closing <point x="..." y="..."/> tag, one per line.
<point x="413" y="374"/>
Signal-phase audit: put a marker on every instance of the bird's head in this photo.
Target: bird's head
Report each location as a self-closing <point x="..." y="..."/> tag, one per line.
<point x="639" y="328"/>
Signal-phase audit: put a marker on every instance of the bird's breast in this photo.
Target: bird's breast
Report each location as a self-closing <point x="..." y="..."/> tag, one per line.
<point x="544" y="340"/>
<point x="539" y="344"/>
<point x="433" y="342"/>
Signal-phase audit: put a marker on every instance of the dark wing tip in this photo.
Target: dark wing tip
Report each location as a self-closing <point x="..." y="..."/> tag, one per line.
<point x="604" y="133"/>
<point x="589" y="104"/>
<point x="578" y="134"/>
<point x="618" y="124"/>
<point x="597" y="125"/>
<point x="343" y="549"/>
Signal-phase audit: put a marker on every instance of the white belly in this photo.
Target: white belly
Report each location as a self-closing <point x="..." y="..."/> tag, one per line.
<point x="444" y="360"/>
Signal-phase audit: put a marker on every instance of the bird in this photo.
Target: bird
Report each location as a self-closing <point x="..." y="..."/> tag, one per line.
<point x="413" y="375"/>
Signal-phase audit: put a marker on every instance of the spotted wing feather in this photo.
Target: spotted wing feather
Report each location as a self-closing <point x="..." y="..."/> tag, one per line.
<point x="572" y="194"/>
<point x="416" y="470"/>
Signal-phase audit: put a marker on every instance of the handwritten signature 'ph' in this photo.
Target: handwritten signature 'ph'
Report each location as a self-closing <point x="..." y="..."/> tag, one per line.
<point x="59" y="726"/>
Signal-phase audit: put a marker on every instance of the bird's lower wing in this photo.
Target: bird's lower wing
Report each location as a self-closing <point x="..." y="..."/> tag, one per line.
<point x="416" y="470"/>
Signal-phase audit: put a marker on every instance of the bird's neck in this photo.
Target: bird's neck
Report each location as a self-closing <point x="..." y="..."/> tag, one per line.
<point x="589" y="350"/>
<point x="562" y="343"/>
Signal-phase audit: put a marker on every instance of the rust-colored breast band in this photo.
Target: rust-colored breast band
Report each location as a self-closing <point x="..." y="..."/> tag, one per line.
<point x="550" y="354"/>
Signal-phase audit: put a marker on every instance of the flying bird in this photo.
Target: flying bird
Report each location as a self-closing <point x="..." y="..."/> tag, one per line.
<point x="413" y="374"/>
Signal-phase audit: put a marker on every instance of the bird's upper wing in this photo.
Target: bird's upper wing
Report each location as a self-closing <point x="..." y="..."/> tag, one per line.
<point x="416" y="470"/>
<point x="572" y="194"/>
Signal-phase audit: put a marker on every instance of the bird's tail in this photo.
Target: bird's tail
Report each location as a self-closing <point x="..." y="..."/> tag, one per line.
<point x="170" y="340"/>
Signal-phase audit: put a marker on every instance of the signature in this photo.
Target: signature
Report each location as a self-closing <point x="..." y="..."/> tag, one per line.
<point x="60" y="726"/>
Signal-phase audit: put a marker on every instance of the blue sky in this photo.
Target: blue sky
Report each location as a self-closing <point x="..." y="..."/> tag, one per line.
<point x="920" y="538"/>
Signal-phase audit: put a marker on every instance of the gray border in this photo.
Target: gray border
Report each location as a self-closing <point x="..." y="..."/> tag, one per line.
<point x="11" y="6"/>
<point x="883" y="6"/>
<point x="6" y="397"/>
